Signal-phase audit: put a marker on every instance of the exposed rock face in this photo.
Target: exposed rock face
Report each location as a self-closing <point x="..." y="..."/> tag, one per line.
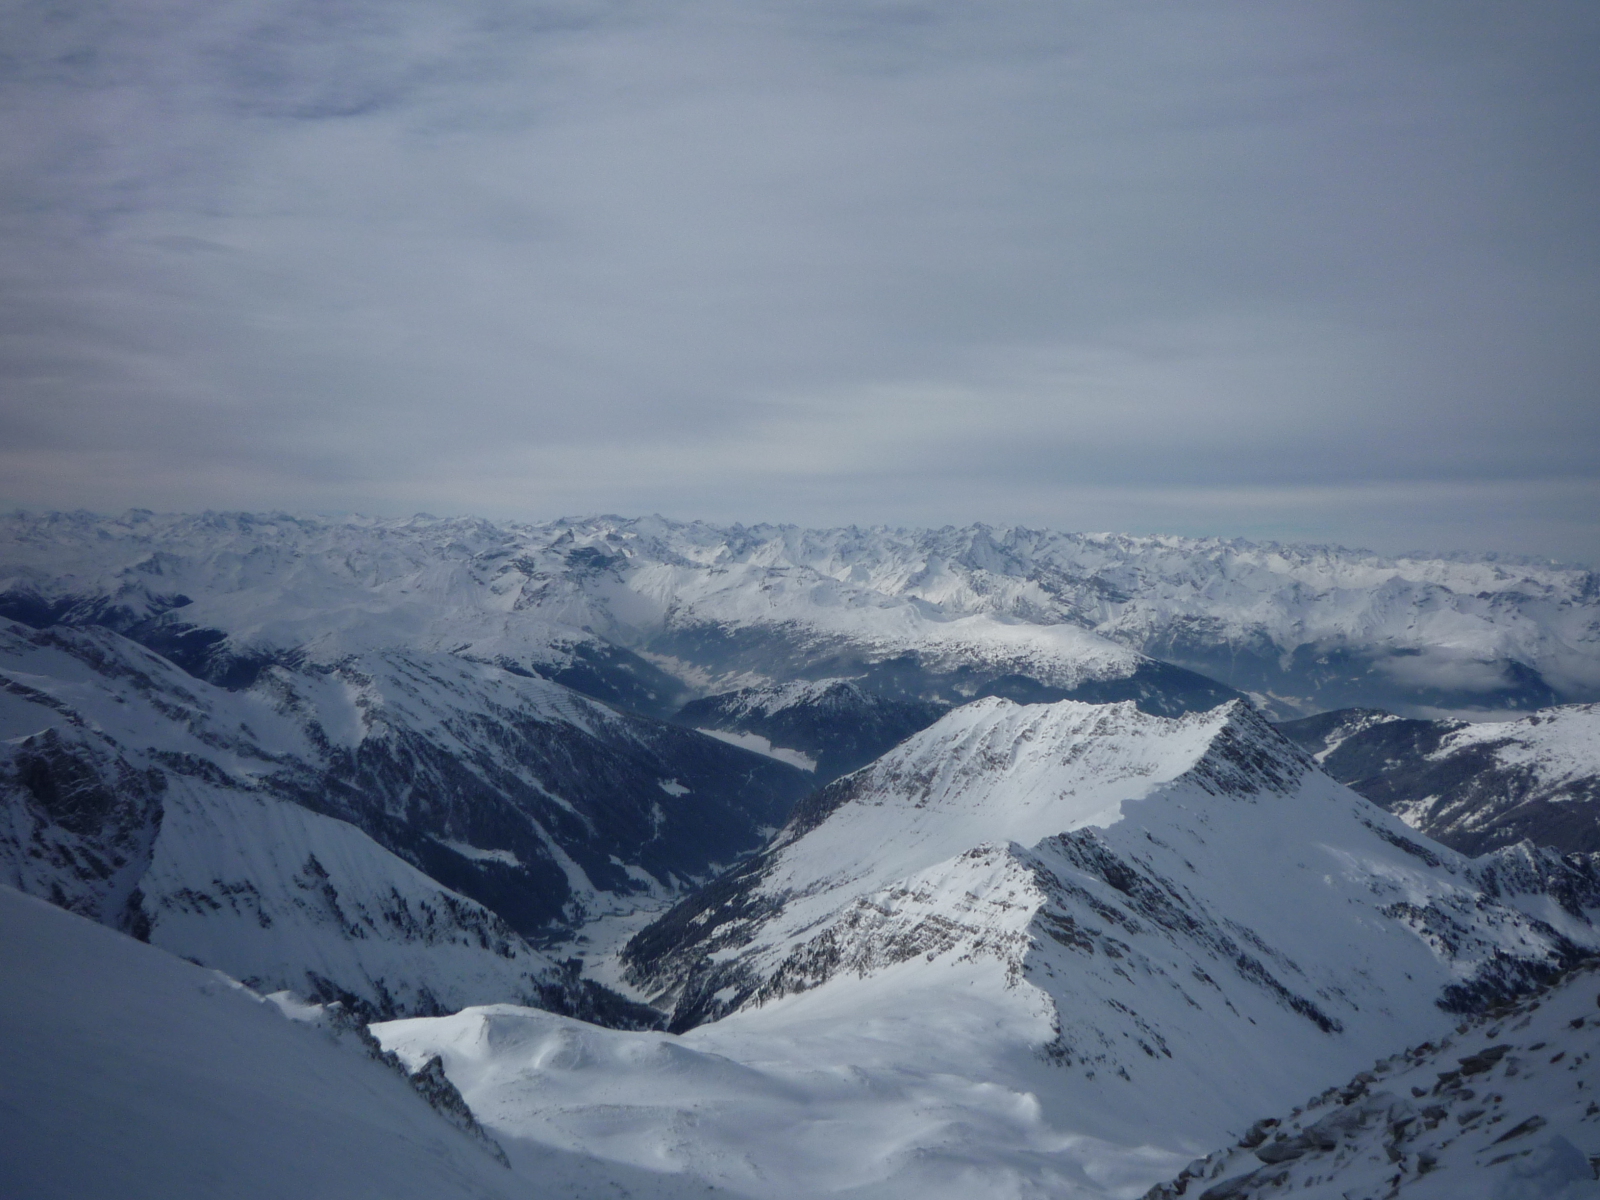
<point x="1475" y="787"/>
<point x="1503" y="1109"/>
<point x="275" y="895"/>
<point x="81" y="824"/>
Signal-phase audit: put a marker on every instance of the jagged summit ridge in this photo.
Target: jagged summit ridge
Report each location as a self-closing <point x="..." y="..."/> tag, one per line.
<point x="1000" y="771"/>
<point x="1153" y="883"/>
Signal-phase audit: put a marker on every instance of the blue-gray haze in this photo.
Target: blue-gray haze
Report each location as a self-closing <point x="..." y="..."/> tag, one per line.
<point x="1308" y="270"/>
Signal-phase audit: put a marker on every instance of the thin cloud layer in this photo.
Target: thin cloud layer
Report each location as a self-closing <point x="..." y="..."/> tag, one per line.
<point x="1290" y="271"/>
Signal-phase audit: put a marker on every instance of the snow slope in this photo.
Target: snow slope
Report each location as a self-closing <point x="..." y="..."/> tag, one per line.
<point x="998" y="799"/>
<point x="126" y="1073"/>
<point x="885" y="1099"/>
<point x="1507" y="1107"/>
<point x="1475" y="786"/>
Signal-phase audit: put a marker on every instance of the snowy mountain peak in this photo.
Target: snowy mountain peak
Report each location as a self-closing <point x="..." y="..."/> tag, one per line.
<point x="995" y="770"/>
<point x="1154" y="882"/>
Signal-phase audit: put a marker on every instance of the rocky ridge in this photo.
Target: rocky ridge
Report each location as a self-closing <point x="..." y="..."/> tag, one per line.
<point x="1507" y="1107"/>
<point x="1106" y="857"/>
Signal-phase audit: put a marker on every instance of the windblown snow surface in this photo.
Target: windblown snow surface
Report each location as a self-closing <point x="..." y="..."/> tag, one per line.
<point x="1052" y="950"/>
<point x="125" y="1072"/>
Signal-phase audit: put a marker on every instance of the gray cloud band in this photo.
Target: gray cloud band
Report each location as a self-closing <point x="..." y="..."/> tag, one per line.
<point x="1217" y="269"/>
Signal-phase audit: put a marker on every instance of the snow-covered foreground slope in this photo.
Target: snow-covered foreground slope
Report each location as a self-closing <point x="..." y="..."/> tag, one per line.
<point x="957" y="611"/>
<point x="1475" y="786"/>
<point x="125" y="1073"/>
<point x="209" y="821"/>
<point x="1507" y="1107"/>
<point x="1035" y="951"/>
<point x="895" y="1094"/>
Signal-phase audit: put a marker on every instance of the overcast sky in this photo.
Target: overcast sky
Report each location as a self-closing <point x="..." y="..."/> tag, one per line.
<point x="1312" y="271"/>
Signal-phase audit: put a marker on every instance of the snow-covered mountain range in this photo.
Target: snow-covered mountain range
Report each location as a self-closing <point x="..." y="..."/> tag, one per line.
<point x="954" y="861"/>
<point x="390" y="829"/>
<point x="1475" y="786"/>
<point x="647" y="611"/>
<point x="1028" y="831"/>
<point x="643" y="613"/>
